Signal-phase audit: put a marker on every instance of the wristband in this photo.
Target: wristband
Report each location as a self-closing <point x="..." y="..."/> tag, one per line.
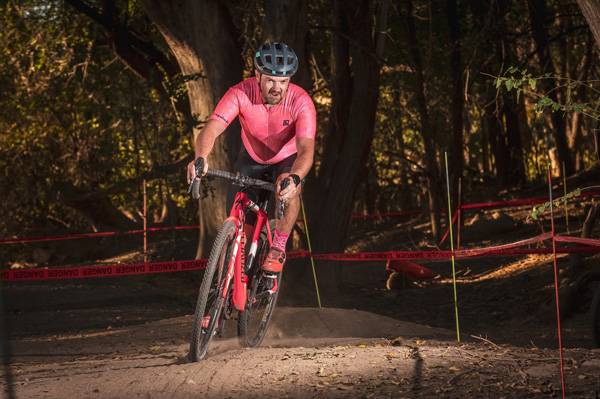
<point x="296" y="179"/>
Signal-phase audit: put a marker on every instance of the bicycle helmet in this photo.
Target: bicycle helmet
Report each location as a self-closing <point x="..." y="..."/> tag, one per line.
<point x="276" y="59"/>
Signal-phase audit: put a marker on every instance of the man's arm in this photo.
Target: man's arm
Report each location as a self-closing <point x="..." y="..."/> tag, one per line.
<point x="204" y="144"/>
<point x="304" y="160"/>
<point x="206" y="139"/>
<point x="306" y="153"/>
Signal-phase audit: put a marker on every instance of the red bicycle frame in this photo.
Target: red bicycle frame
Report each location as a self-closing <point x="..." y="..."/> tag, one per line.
<point x="236" y="270"/>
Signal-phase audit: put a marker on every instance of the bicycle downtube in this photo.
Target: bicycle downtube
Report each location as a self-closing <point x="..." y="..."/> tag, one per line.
<point x="231" y="266"/>
<point x="240" y="283"/>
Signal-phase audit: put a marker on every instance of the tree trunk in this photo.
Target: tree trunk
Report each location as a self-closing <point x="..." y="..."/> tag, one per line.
<point x="591" y="12"/>
<point x="429" y="140"/>
<point x="287" y="21"/>
<point x="576" y="136"/>
<point x="497" y="143"/>
<point x="204" y="41"/>
<point x="456" y="152"/>
<point x="352" y="119"/>
<point x="485" y="142"/>
<point x="515" y="173"/>
<point x="555" y="166"/>
<point x="341" y="89"/>
<point x="537" y="17"/>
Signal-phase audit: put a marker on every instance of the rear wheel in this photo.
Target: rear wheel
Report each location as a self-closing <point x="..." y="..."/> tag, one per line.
<point x="595" y="317"/>
<point x="254" y="321"/>
<point x="208" y="317"/>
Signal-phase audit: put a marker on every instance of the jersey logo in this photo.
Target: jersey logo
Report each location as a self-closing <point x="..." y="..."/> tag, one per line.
<point x="286" y="122"/>
<point x="221" y="117"/>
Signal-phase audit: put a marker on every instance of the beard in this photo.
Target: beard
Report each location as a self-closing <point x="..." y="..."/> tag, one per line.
<point x="273" y="97"/>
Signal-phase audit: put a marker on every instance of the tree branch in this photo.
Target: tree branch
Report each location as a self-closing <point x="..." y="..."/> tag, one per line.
<point x="141" y="56"/>
<point x="74" y="194"/>
<point x="353" y="42"/>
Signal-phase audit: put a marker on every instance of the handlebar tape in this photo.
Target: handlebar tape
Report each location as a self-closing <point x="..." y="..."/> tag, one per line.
<point x="284" y="183"/>
<point x="195" y="186"/>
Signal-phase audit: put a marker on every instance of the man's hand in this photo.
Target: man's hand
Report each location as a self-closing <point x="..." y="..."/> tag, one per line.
<point x="291" y="191"/>
<point x="191" y="170"/>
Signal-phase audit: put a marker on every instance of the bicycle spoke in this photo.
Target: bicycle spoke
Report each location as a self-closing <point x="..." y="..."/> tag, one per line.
<point x="254" y="321"/>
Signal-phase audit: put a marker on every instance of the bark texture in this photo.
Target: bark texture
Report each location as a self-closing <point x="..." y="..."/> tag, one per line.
<point x="591" y="12"/>
<point x="538" y="15"/>
<point x="204" y="41"/>
<point x="355" y="81"/>
<point x="291" y="27"/>
<point x="432" y="170"/>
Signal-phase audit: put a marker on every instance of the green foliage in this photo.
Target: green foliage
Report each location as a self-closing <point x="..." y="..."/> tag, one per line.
<point x="537" y="211"/>
<point x="75" y="119"/>
<point x="524" y="82"/>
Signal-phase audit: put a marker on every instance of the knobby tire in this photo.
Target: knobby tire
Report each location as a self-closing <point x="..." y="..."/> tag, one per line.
<point x="210" y="299"/>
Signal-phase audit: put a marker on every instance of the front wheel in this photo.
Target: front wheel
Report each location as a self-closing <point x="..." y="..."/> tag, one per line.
<point x="595" y="317"/>
<point x="209" y="307"/>
<point x="254" y="321"/>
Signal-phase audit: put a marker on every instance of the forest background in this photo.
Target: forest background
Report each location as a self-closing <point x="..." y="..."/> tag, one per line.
<point x="99" y="96"/>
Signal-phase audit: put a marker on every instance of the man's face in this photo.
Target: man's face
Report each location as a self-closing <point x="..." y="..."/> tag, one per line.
<point x="272" y="88"/>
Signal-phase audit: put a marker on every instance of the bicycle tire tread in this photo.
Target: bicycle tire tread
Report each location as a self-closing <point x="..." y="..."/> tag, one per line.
<point x="199" y="348"/>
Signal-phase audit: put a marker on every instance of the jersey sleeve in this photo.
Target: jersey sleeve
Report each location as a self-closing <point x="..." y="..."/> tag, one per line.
<point x="306" y="118"/>
<point x="228" y="108"/>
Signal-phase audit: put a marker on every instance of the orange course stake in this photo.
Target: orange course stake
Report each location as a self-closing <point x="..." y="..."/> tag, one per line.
<point x="145" y="226"/>
<point x="562" y="370"/>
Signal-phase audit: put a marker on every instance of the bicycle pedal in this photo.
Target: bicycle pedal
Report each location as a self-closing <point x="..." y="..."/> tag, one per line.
<point x="270" y="283"/>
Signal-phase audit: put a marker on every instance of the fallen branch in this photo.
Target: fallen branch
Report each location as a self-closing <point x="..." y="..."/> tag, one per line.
<point x="517" y="355"/>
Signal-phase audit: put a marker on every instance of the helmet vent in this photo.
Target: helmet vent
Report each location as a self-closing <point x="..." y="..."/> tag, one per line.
<point x="276" y="59"/>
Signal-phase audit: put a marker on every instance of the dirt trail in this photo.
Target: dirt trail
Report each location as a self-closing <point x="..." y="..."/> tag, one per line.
<point x="150" y="360"/>
<point x="308" y="353"/>
<point x="127" y="337"/>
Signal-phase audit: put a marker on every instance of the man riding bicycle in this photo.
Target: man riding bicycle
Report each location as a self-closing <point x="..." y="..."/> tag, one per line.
<point x="278" y="120"/>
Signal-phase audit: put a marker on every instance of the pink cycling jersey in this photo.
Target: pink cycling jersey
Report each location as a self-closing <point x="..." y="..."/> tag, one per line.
<point x="269" y="134"/>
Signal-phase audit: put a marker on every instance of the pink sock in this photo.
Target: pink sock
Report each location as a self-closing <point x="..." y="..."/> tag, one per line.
<point x="279" y="240"/>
